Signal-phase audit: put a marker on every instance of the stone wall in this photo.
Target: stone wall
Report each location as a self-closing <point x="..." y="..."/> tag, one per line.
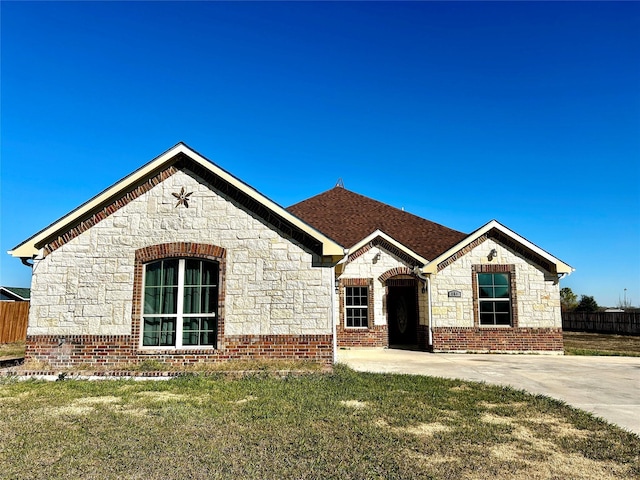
<point x="373" y="262"/>
<point x="537" y="320"/>
<point x="84" y="287"/>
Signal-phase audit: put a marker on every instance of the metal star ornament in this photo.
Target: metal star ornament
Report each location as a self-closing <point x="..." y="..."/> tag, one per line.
<point x="183" y="198"/>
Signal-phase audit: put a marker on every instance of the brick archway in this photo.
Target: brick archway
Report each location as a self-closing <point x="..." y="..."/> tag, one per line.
<point x="394" y="272"/>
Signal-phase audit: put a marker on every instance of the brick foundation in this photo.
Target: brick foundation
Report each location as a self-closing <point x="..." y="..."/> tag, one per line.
<point x="116" y="351"/>
<point x="423" y="337"/>
<point x="363" y="337"/>
<point x="452" y="339"/>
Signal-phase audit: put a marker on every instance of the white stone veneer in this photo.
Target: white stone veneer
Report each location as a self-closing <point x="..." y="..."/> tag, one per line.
<point x="538" y="294"/>
<point x="85" y="287"/>
<point x="365" y="267"/>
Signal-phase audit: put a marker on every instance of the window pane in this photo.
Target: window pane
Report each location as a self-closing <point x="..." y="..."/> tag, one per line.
<point x="209" y="274"/>
<point x="159" y="331"/>
<point x="199" y="296"/>
<point x="209" y="300"/>
<point x="168" y="332"/>
<point x="170" y="272"/>
<point x="486" y="307"/>
<point x="169" y="300"/>
<point x="503" y="319"/>
<point x="501" y="292"/>
<point x="153" y="274"/>
<point x="502" y="307"/>
<point x="198" y="331"/>
<point x="501" y="279"/>
<point x="192" y="272"/>
<point x="152" y="299"/>
<point x="486" y="292"/>
<point x="486" y="319"/>
<point x="191" y="299"/>
<point x="151" y="335"/>
<point x="485" y="279"/>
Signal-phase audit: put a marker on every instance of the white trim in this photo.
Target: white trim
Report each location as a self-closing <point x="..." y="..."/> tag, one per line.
<point x="561" y="267"/>
<point x="179" y="315"/>
<point x="28" y="248"/>
<point x="392" y="241"/>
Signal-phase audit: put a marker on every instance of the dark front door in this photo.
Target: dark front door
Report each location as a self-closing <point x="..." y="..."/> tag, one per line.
<point x="402" y="315"/>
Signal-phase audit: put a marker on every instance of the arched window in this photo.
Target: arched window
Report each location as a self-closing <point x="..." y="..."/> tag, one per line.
<point x="180" y="303"/>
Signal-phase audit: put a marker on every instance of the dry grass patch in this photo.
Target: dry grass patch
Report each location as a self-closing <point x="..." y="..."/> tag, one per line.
<point x="12" y="350"/>
<point x="344" y="425"/>
<point x="357" y="404"/>
<point x="583" y="343"/>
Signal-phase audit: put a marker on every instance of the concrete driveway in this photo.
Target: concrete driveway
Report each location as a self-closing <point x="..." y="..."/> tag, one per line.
<point x="608" y="387"/>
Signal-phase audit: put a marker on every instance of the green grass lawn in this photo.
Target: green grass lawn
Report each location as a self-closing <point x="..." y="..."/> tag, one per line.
<point x="582" y="343"/>
<point x="344" y="425"/>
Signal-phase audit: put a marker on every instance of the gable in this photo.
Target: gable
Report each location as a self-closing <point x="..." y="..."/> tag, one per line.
<point x="348" y="217"/>
<point x="520" y="245"/>
<point x="178" y="158"/>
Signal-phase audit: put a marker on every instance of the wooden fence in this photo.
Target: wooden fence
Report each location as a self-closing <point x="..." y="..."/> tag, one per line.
<point x="625" y="323"/>
<point x="13" y="321"/>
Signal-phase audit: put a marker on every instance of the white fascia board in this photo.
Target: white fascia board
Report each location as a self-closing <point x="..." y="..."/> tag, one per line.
<point x="28" y="248"/>
<point x="561" y="267"/>
<point x="392" y="241"/>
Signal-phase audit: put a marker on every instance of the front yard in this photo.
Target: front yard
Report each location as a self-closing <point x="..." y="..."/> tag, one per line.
<point x="344" y="425"/>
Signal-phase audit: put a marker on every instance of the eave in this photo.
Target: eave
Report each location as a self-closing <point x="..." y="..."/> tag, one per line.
<point x="31" y="247"/>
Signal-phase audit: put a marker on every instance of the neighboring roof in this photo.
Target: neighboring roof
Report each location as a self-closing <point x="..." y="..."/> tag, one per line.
<point x="16" y="293"/>
<point x="348" y="218"/>
<point x="505" y="236"/>
<point x="181" y="153"/>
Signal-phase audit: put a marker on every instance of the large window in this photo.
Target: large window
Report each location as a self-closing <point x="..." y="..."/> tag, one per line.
<point x="357" y="306"/>
<point x="180" y="303"/>
<point x="494" y="298"/>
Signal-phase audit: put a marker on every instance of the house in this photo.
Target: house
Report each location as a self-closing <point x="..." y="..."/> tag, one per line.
<point x="406" y="281"/>
<point x="14" y="294"/>
<point x="181" y="262"/>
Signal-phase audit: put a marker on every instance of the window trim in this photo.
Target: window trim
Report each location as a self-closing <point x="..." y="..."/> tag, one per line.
<point x="510" y="270"/>
<point x="356" y="282"/>
<point x="186" y="250"/>
<point x="179" y="315"/>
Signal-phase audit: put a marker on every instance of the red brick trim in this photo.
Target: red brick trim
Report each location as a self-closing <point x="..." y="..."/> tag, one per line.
<point x="361" y="251"/>
<point x="153" y="253"/>
<point x="497" y="339"/>
<point x="116" y="351"/>
<point x="463" y="251"/>
<point x="384" y="244"/>
<point x="355" y="282"/>
<point x="374" y="336"/>
<point x="394" y="272"/>
<point x="487" y="268"/>
<point x="107" y="210"/>
<point x="371" y="336"/>
<point x="504" y="240"/>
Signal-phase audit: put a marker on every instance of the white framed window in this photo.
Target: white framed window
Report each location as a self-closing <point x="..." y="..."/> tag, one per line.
<point x="356" y="306"/>
<point x="180" y="303"/>
<point x="494" y="299"/>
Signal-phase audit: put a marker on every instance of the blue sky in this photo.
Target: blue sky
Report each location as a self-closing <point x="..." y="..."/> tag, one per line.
<point x="528" y="113"/>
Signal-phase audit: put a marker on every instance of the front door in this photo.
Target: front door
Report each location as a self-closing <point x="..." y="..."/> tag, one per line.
<point x="402" y="315"/>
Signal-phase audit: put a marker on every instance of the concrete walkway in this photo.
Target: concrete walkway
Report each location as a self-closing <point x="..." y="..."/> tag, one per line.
<point x="608" y="387"/>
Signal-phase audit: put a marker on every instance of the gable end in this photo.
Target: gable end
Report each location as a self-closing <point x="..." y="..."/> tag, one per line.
<point x="504" y="240"/>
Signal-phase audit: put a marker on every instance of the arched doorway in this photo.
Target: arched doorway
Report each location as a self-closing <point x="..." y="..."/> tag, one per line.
<point x="402" y="312"/>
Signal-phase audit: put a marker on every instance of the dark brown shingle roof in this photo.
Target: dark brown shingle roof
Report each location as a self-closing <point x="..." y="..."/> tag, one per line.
<point x="349" y="217"/>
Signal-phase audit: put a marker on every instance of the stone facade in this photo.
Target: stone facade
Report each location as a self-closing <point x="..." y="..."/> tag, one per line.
<point x="375" y="265"/>
<point x="276" y="296"/>
<point x="537" y="322"/>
